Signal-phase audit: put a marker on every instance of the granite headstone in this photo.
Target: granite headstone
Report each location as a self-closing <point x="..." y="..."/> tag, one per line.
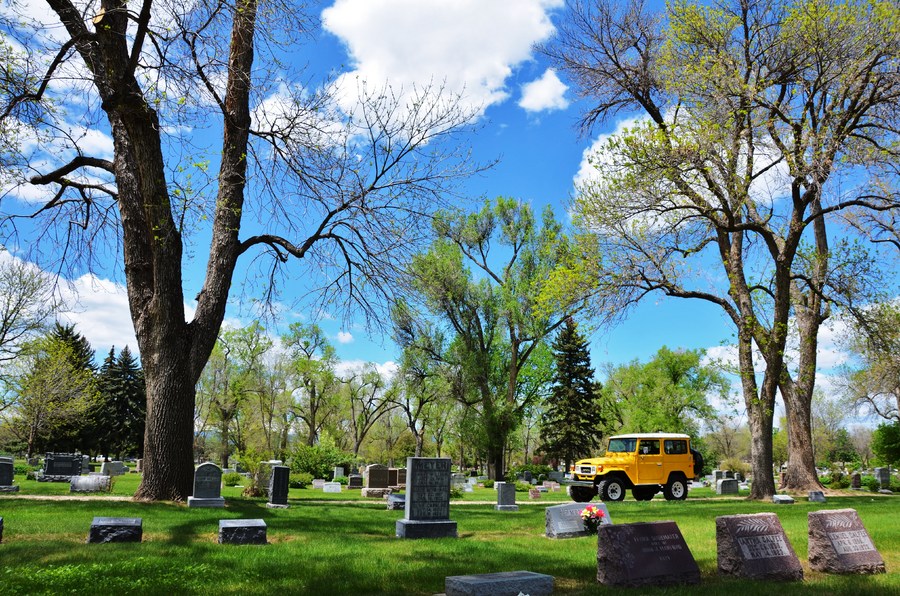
<point x="564" y="521"/>
<point x="816" y="496"/>
<point x="505" y="583"/>
<point x="506" y="496"/>
<point x="354" y="481"/>
<point x="754" y="546"/>
<point x="279" y="483"/>
<point x="242" y="531"/>
<point x="855" y="481"/>
<point x="839" y="543"/>
<point x="115" y="529"/>
<point x="207" y="486"/>
<point x="727" y="486"/>
<point x="7" y="472"/>
<point x="396" y="502"/>
<point x="427" y="513"/>
<point x="644" y="553"/>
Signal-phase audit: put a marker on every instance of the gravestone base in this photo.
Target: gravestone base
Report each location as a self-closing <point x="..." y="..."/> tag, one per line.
<point x="396" y="502"/>
<point x="410" y="528"/>
<point x="115" y="529"/>
<point x="884" y="491"/>
<point x="9" y="489"/>
<point x="276" y="506"/>
<point x="506" y="507"/>
<point x="508" y="583"/>
<point x="53" y="478"/>
<point x="376" y="493"/>
<point x="242" y="531"/>
<point x="206" y="502"/>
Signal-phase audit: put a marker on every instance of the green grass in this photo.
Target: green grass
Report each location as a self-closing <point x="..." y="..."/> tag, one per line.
<point x="322" y="547"/>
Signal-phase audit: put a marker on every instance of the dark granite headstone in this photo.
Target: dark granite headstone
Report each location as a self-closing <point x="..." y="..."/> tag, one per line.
<point x="278" y="487"/>
<point x="754" y="546"/>
<point x="526" y="476"/>
<point x="506" y="496"/>
<point x="507" y="583"/>
<point x="207" y="486"/>
<point x="393" y="477"/>
<point x="7" y="471"/>
<point x="354" y="481"/>
<point x="377" y="476"/>
<point x="816" y="496"/>
<point x="564" y="521"/>
<point x="644" y="554"/>
<point x="883" y="475"/>
<point x="727" y="486"/>
<point x="427" y="513"/>
<point x="242" y="531"/>
<point x="839" y="543"/>
<point x="856" y="481"/>
<point x="115" y="529"/>
<point x="718" y="475"/>
<point x="60" y="467"/>
<point x="729" y="474"/>
<point x="401" y="476"/>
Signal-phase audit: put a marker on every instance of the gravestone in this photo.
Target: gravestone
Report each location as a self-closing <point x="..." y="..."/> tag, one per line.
<point x="738" y="476"/>
<point x="396" y="502"/>
<point x="644" y="554"/>
<point x="354" y="481"/>
<point x="754" y="546"/>
<point x="883" y="476"/>
<point x="727" y="486"/>
<point x="7" y="472"/>
<point x="376" y="478"/>
<point x="564" y="521"/>
<point x="207" y="486"/>
<point x="60" y="467"/>
<point x="393" y="477"/>
<point x="338" y="471"/>
<point x="113" y="468"/>
<point x="506" y="583"/>
<point x="115" y="529"/>
<point x="468" y="488"/>
<point x="729" y="474"/>
<point x="557" y="476"/>
<point x="534" y="493"/>
<point x="89" y="484"/>
<point x="139" y="466"/>
<point x="782" y="499"/>
<point x="242" y="531"/>
<point x="318" y="483"/>
<point x="278" y="487"/>
<point x="839" y="543"/>
<point x="856" y="481"/>
<point x="506" y="496"/>
<point x="331" y="487"/>
<point x="85" y="464"/>
<point x="457" y="479"/>
<point x="816" y="496"/>
<point x="527" y="476"/>
<point x="427" y="513"/>
<point x="401" y="476"/>
<point x="718" y="475"/>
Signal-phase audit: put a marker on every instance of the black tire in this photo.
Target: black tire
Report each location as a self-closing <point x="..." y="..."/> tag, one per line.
<point x="675" y="489"/>
<point x="581" y="494"/>
<point x="611" y="489"/>
<point x="643" y="493"/>
<point x="698" y="464"/>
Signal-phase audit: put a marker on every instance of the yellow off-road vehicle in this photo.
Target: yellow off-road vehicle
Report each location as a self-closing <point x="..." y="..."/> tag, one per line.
<point x="646" y="463"/>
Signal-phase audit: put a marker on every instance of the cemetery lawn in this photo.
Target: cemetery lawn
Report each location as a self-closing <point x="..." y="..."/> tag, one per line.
<point x="321" y="546"/>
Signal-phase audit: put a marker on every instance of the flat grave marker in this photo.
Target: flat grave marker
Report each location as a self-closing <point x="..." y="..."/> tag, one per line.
<point x="89" y="484"/>
<point x="507" y="583"/>
<point x="644" y="554"/>
<point x="242" y="531"/>
<point x="331" y="487"/>
<point x="839" y="543"/>
<point x="115" y="529"/>
<point x="754" y="546"/>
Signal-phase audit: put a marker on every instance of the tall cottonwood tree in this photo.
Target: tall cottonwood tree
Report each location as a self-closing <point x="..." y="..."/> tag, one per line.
<point x="749" y="115"/>
<point x="152" y="75"/>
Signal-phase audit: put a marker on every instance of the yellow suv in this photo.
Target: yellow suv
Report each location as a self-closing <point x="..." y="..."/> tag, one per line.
<point x="646" y="463"/>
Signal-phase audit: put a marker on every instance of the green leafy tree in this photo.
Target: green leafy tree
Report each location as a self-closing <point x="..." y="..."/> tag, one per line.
<point x="748" y="115"/>
<point x="872" y="383"/>
<point x="886" y="443"/>
<point x="572" y="425"/>
<point x="313" y="377"/>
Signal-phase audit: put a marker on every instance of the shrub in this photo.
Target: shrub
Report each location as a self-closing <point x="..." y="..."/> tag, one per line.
<point x="736" y="465"/>
<point x="318" y="460"/>
<point x="871" y="483"/>
<point x="22" y="469"/>
<point x="837" y="481"/>
<point x="538" y="472"/>
<point x="523" y="487"/>
<point x="456" y="492"/>
<point x="300" y="480"/>
<point x="232" y="479"/>
<point x="488" y="483"/>
<point x="342" y="479"/>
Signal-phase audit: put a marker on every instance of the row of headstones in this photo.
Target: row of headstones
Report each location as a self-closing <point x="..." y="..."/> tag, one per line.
<point x="77" y="482"/>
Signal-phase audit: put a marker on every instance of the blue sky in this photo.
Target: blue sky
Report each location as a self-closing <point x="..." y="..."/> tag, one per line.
<point x="484" y="49"/>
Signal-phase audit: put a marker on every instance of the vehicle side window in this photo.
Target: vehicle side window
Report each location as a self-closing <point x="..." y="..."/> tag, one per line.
<point x="649" y="447"/>
<point x="674" y="447"/>
<point x="622" y="445"/>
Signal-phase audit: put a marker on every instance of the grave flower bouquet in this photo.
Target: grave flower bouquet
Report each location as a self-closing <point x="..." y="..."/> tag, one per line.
<point x="593" y="517"/>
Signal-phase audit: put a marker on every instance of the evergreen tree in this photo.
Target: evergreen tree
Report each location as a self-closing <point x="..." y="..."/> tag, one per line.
<point x="572" y="424"/>
<point x="124" y="398"/>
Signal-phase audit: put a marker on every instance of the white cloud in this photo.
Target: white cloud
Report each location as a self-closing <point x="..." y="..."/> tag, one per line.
<point x="344" y="337"/>
<point x="99" y="310"/>
<point x="387" y="370"/>
<point x="545" y="93"/>
<point x="596" y="156"/>
<point x="470" y="45"/>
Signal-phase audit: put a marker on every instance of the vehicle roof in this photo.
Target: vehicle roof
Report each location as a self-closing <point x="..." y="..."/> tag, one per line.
<point x="652" y="436"/>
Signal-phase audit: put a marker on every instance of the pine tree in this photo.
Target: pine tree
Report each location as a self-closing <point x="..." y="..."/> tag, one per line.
<point x="124" y="397"/>
<point x="572" y="424"/>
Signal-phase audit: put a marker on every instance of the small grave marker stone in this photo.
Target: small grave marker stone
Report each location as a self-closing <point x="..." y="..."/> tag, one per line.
<point x="727" y="486"/>
<point x="507" y="583"/>
<point x="427" y="513"/>
<point x="331" y="487"/>
<point x="754" y="546"/>
<point x="113" y="468"/>
<point x="338" y="471"/>
<point x="115" y="529"/>
<point x="318" y="483"/>
<point x="396" y="502"/>
<point x="856" y="481"/>
<point x="354" y="481"/>
<point x="242" y="531"/>
<point x="534" y="493"/>
<point x="207" y="486"/>
<point x="782" y="499"/>
<point x="839" y="543"/>
<point x="564" y="521"/>
<point x="642" y="554"/>
<point x="279" y="483"/>
<point x="89" y="484"/>
<point x="506" y="496"/>
<point x="816" y="496"/>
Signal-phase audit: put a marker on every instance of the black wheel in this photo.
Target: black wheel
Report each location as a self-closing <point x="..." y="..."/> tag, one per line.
<point x="581" y="494"/>
<point x="611" y="490"/>
<point x="676" y="489"/>
<point x="643" y="493"/>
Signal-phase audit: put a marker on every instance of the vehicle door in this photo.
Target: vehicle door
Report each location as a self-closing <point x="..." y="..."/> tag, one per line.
<point x="650" y="462"/>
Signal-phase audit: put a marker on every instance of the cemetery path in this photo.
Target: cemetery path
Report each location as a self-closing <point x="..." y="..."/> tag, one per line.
<point x="67" y="497"/>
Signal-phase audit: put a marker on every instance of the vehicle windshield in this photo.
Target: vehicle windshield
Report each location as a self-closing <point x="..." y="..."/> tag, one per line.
<point x="622" y="445"/>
